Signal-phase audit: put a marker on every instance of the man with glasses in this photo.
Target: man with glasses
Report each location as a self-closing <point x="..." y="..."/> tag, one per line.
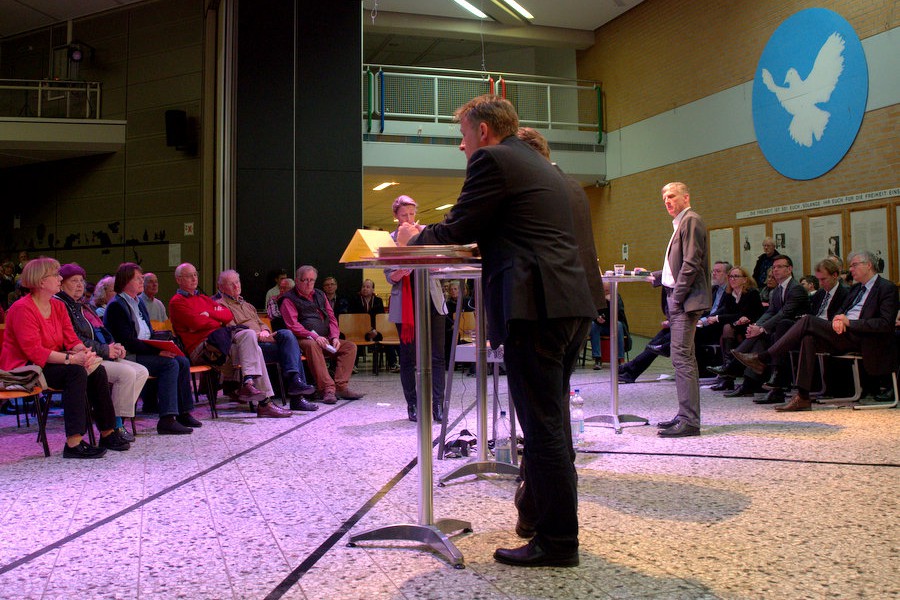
<point x="307" y="313"/>
<point x="864" y="323"/>
<point x="788" y="302"/>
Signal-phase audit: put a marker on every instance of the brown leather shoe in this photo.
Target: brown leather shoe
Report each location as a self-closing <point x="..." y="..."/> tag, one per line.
<point x="796" y="404"/>
<point x="250" y="393"/>
<point x="329" y="398"/>
<point x="349" y="394"/>
<point x="751" y="361"/>
<point x="270" y="410"/>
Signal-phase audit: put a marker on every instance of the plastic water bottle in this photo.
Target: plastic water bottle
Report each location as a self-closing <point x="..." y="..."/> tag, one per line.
<point x="576" y="417"/>
<point x="502" y="439"/>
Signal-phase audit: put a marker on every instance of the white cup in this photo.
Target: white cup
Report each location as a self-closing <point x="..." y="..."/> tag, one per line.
<point x="618" y="270"/>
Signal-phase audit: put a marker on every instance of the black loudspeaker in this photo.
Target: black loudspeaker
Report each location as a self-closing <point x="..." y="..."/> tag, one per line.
<point x="176" y="128"/>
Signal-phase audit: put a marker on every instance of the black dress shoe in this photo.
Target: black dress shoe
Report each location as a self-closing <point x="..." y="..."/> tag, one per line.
<point x="720" y="370"/>
<point x="532" y="555"/>
<point x="667" y="424"/>
<point x="297" y="387"/>
<point x="680" y="429"/>
<point x="303" y="404"/>
<point x="114" y="442"/>
<point x="83" y="450"/>
<point x="775" y="396"/>
<point x="751" y="361"/>
<point x="188" y="420"/>
<point x="169" y="426"/>
<point x="742" y="391"/>
<point x="411" y="413"/>
<point x="724" y="384"/>
<point x="437" y="413"/>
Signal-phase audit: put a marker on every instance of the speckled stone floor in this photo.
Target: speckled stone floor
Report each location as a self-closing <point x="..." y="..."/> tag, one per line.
<point x="762" y="505"/>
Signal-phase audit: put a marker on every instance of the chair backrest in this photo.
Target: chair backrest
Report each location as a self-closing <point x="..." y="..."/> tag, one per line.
<point x="387" y="329"/>
<point x="355" y="326"/>
<point x="161" y="325"/>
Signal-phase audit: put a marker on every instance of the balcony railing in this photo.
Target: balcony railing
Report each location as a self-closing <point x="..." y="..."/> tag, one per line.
<point x="418" y="94"/>
<point x="48" y="98"/>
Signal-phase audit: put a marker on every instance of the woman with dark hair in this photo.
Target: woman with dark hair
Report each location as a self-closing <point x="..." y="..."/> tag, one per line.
<point x="39" y="332"/>
<point x="127" y="378"/>
<point x="128" y="321"/>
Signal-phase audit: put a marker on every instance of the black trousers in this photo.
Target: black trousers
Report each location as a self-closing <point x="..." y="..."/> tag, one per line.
<point x="77" y="388"/>
<point x="642" y="361"/>
<point x="540" y="357"/>
<point x="407" y="354"/>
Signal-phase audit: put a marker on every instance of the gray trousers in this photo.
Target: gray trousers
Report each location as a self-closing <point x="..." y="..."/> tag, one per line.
<point x="682" y="326"/>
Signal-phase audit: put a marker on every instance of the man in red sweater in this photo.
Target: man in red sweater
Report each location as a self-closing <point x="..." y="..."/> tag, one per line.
<point x="195" y="315"/>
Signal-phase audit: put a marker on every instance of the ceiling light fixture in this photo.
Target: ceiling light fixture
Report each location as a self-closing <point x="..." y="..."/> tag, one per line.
<point x="519" y="9"/>
<point x="471" y="9"/>
<point x="384" y="185"/>
<point x="444" y="207"/>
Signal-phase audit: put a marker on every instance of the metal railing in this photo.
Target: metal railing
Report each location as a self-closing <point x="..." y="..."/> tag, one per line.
<point x="420" y="94"/>
<point x="48" y="98"/>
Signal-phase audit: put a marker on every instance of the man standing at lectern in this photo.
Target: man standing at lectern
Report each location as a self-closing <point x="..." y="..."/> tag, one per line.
<point x="514" y="204"/>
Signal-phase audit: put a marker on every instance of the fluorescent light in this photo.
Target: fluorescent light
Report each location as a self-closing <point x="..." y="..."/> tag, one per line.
<point x="519" y="9"/>
<point x="471" y="9"/>
<point x="444" y="207"/>
<point x="384" y="185"/>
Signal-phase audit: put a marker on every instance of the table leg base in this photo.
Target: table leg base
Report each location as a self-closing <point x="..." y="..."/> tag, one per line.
<point x="434" y="536"/>
<point x="478" y="468"/>
<point x="616" y="421"/>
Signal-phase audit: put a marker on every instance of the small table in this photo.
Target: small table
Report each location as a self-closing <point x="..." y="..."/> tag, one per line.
<point x="614" y="419"/>
<point x="427" y="530"/>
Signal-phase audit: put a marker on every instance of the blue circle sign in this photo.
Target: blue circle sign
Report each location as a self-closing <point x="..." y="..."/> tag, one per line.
<point x="809" y="93"/>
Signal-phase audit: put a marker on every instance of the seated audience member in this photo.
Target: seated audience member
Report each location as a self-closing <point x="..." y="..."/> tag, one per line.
<point x="742" y="307"/>
<point x="366" y="302"/>
<point x="280" y="346"/>
<point x="16" y="294"/>
<point x="129" y="322"/>
<point x="7" y="282"/>
<point x="339" y="304"/>
<point x="103" y="293"/>
<point x="810" y="284"/>
<point x="277" y="276"/>
<point x="195" y="316"/>
<point x="308" y="314"/>
<point x="765" y="290"/>
<point x="600" y="327"/>
<point x="789" y="301"/>
<point x="272" y="308"/>
<point x="127" y="378"/>
<point x="21" y="260"/>
<point x="864" y="323"/>
<point x="39" y="332"/>
<point x="764" y="262"/>
<point x="659" y="344"/>
<point x="155" y="307"/>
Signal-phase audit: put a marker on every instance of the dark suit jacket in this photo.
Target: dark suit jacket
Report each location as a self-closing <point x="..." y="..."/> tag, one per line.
<point x="815" y="301"/>
<point x="791" y="305"/>
<point x="689" y="262"/>
<point x="584" y="238"/>
<point x="750" y="306"/>
<point x="357" y="307"/>
<point x="121" y="323"/>
<point x="514" y="204"/>
<point x="875" y="326"/>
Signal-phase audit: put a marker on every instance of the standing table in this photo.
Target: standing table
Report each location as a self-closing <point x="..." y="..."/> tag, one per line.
<point x="614" y="419"/>
<point x="427" y="530"/>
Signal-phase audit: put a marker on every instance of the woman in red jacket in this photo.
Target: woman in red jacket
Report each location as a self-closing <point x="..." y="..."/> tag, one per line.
<point x="39" y="332"/>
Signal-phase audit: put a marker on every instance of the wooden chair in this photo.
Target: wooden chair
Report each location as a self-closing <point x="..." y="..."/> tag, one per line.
<point x="355" y="327"/>
<point x="389" y="336"/>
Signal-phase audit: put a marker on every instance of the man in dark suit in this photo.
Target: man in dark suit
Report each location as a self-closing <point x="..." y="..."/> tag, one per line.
<point x="786" y="304"/>
<point x="864" y="323"/>
<point x="685" y="281"/>
<point x="514" y="204"/>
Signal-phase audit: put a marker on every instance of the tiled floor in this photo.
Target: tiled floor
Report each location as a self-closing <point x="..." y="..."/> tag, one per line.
<point x="762" y="505"/>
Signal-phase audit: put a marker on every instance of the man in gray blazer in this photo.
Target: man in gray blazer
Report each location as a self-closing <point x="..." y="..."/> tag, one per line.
<point x="685" y="281"/>
<point x="515" y="205"/>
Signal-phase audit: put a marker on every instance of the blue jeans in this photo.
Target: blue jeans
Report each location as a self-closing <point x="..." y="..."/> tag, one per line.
<point x="286" y="351"/>
<point x="174" y="381"/>
<point x="598" y="330"/>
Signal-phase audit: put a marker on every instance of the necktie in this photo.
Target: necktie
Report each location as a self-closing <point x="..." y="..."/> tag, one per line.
<point x="859" y="294"/>
<point x="776" y="299"/>
<point x="824" y="308"/>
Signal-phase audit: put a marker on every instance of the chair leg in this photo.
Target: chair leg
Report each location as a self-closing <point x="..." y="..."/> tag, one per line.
<point x="869" y="406"/>
<point x="211" y="393"/>
<point x="42" y="406"/>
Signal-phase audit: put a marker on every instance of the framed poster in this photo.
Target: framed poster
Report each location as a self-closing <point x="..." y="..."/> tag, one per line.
<point x="868" y="231"/>
<point x="751" y="239"/>
<point x="825" y="238"/>
<point x="721" y="245"/>
<point x="788" y="236"/>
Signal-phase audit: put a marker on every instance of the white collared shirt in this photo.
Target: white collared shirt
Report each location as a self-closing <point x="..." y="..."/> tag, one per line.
<point x="668" y="278"/>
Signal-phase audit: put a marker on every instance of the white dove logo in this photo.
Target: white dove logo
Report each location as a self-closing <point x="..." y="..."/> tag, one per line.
<point x="799" y="97"/>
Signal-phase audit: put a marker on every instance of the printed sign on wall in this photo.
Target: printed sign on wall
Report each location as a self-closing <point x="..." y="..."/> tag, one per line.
<point x="809" y="94"/>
